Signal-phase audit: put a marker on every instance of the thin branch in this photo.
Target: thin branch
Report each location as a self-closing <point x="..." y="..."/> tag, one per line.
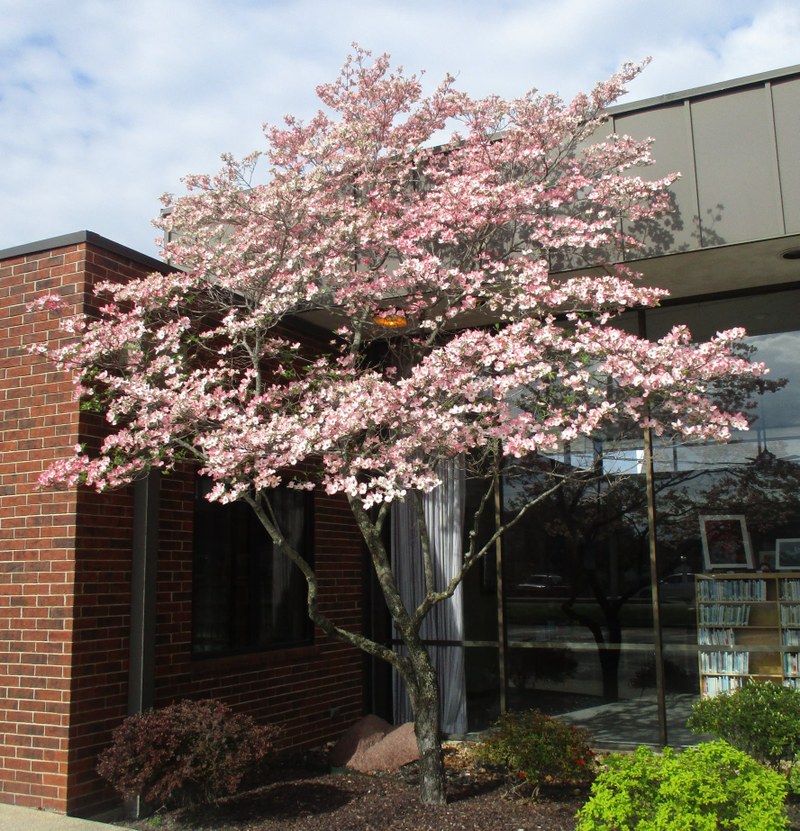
<point x="432" y="598"/>
<point x="267" y="519"/>
<point x="425" y="543"/>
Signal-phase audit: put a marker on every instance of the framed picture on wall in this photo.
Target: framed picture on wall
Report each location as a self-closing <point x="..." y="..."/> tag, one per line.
<point x="726" y="543"/>
<point x="787" y="554"/>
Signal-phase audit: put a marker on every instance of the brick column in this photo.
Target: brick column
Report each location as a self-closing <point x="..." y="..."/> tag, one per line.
<point x="38" y="422"/>
<point x="65" y="556"/>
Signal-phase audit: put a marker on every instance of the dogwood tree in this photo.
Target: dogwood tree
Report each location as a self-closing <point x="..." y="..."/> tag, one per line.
<point x="430" y="256"/>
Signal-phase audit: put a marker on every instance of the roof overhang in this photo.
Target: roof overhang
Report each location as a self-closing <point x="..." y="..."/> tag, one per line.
<point x="740" y="267"/>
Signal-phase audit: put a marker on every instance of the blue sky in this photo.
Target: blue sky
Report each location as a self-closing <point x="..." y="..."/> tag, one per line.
<point x="105" y="104"/>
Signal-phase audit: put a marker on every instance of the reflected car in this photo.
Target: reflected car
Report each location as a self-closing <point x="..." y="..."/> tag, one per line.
<point x="674" y="588"/>
<point x="541" y="585"/>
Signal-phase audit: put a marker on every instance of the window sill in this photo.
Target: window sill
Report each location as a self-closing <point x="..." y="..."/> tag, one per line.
<point x="265" y="659"/>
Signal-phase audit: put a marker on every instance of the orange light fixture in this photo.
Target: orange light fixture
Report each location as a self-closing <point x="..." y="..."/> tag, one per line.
<point x="390" y="321"/>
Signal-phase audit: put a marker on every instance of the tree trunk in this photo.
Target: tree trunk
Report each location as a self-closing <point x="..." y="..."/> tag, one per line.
<point x="609" y="666"/>
<point x="416" y="667"/>
<point x="425" y="705"/>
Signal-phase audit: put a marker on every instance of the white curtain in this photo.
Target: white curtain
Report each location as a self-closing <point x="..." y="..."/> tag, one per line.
<point x="444" y="515"/>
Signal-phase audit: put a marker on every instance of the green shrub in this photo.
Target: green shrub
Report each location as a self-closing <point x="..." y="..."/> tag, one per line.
<point x="624" y="793"/>
<point x="537" y="748"/>
<point x="761" y="719"/>
<point x="793" y="775"/>
<point x="189" y="753"/>
<point x="713" y="787"/>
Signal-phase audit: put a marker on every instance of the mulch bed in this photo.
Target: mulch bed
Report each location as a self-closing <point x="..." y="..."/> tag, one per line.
<point x="302" y="794"/>
<point x="310" y="798"/>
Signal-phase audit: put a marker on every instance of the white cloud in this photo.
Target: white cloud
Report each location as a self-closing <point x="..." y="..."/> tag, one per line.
<point x="104" y="104"/>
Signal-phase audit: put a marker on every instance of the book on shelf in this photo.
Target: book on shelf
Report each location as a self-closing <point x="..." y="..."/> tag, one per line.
<point x="790" y="589"/>
<point x="718" y="614"/>
<point x="790" y="616"/>
<point x="791" y="664"/>
<point x="749" y="589"/>
<point x="720" y="684"/>
<point x="716" y="637"/>
<point x="735" y="663"/>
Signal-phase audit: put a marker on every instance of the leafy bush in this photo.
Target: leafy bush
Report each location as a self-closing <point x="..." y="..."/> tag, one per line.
<point x="188" y="753"/>
<point x="713" y="787"/>
<point x="760" y="718"/>
<point x="624" y="793"/>
<point x="538" y="748"/>
<point x="793" y="775"/>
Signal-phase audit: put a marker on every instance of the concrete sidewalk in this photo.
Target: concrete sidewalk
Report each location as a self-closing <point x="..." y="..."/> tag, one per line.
<point x="13" y="818"/>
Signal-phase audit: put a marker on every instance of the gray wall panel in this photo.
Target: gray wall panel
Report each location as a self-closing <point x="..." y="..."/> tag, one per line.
<point x="672" y="151"/>
<point x="737" y="171"/>
<point x="786" y="106"/>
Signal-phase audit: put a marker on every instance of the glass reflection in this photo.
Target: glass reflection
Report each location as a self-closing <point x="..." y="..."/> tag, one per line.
<point x="576" y="582"/>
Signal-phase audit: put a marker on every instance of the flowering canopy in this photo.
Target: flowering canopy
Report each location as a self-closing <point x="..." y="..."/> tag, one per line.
<point x="456" y="321"/>
<point x="433" y="268"/>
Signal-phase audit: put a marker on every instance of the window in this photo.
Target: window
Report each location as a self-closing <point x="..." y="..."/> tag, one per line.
<point x="246" y="595"/>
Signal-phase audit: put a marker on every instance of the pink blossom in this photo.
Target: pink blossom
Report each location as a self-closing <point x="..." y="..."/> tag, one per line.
<point x="362" y="223"/>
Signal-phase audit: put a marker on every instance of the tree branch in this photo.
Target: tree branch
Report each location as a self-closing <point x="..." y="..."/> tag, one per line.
<point x="432" y="598"/>
<point x="425" y="543"/>
<point x="266" y="517"/>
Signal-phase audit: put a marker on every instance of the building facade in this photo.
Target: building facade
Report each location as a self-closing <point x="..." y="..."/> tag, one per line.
<point x="111" y="603"/>
<point x="576" y="634"/>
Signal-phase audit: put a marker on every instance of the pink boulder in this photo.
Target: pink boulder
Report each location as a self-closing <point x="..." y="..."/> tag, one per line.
<point x="396" y="749"/>
<point x="365" y="733"/>
<point x="372" y="744"/>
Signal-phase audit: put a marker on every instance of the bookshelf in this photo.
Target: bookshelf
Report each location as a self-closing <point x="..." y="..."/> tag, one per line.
<point x="748" y="627"/>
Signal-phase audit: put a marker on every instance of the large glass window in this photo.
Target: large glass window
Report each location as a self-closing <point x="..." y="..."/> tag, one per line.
<point x="578" y="622"/>
<point x="247" y="596"/>
<point x="577" y="606"/>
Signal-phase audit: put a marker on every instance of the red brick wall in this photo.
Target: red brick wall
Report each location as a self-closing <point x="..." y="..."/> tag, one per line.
<point x="101" y="626"/>
<point x="313" y="691"/>
<point x="37" y="537"/>
<point x="65" y="566"/>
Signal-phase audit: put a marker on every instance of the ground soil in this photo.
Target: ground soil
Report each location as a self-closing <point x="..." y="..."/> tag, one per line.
<point x="304" y="794"/>
<point x="309" y="797"/>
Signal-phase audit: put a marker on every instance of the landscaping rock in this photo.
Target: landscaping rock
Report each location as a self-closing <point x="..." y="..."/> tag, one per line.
<point x="396" y="749"/>
<point x="372" y="744"/>
<point x="365" y="733"/>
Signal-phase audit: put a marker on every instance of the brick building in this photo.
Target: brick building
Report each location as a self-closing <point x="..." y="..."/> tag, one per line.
<point x="96" y="591"/>
<point x="111" y="603"/>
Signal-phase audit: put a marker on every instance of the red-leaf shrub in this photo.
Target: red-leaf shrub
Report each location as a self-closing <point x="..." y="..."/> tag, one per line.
<point x="187" y="753"/>
<point x="538" y="749"/>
